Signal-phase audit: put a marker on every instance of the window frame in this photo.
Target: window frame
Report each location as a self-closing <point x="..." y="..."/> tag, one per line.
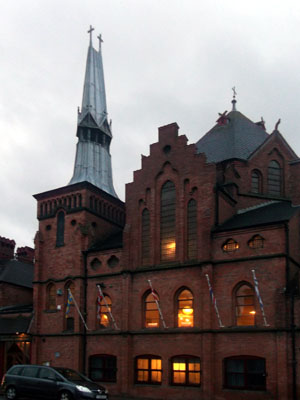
<point x="146" y="296"/>
<point x="238" y="317"/>
<point x="51" y="297"/>
<point x="109" y="373"/>
<point x="99" y="324"/>
<point x="191" y="229"/>
<point x="181" y="306"/>
<point x="246" y="373"/>
<point x="256" y="242"/>
<point x="275" y="179"/>
<point x="187" y="359"/>
<point x="60" y="229"/>
<point x="256" y="186"/>
<point x="145" y="236"/>
<point x="149" y="370"/>
<point x="168" y="222"/>
<point x="230" y="246"/>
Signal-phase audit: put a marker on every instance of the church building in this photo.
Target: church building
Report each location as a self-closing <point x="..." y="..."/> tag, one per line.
<point x="188" y="289"/>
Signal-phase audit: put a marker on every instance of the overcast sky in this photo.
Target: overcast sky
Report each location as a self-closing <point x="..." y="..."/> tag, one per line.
<point x="164" y="61"/>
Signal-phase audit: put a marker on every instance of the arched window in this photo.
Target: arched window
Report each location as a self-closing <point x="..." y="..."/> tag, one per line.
<point x="244" y="305"/>
<point x="51" y="297"/>
<point x="185" y="371"/>
<point x="103" y="311"/>
<point x="274" y="179"/>
<point x="245" y="373"/>
<point x="168" y="222"/>
<point x="60" y="232"/>
<point x="151" y="311"/>
<point x="256" y="242"/>
<point x="185" y="309"/>
<point x="148" y="370"/>
<point x="69" y="306"/>
<point x="192" y="229"/>
<point x="230" y="245"/>
<point x="145" y="237"/>
<point x="256" y="182"/>
<point x="103" y="368"/>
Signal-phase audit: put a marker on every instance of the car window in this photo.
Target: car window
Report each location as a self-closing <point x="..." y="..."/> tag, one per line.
<point x="46" y="373"/>
<point x="30" y="371"/>
<point x="15" y="371"/>
<point x="71" y="375"/>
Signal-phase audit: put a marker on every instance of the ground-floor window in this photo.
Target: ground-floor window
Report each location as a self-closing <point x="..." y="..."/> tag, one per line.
<point x="185" y="371"/>
<point x="245" y="372"/>
<point x="103" y="368"/>
<point x="148" y="370"/>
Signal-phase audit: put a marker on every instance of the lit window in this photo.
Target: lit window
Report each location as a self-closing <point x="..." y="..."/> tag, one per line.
<point x="256" y="182"/>
<point x="148" y="370"/>
<point x="103" y="368"/>
<point x="192" y="229"/>
<point x="69" y="320"/>
<point x="151" y="312"/>
<point x="274" y="179"/>
<point x="145" y="237"/>
<point x="51" y="297"/>
<point x="245" y="373"/>
<point x="244" y="306"/>
<point x="186" y="371"/>
<point x="103" y="312"/>
<point x="168" y="222"/>
<point x="256" y="242"/>
<point x="185" y="309"/>
<point x="230" y="245"/>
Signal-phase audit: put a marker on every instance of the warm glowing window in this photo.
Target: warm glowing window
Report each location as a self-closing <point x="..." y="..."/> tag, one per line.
<point x="256" y="242"/>
<point x="230" y="245"/>
<point x="103" y="368"/>
<point x="51" y="297"/>
<point x="274" y="179"/>
<point x="168" y="222"/>
<point x="151" y="312"/>
<point x="256" y="182"/>
<point x="185" y="309"/>
<point x="145" y="237"/>
<point x="244" y="306"/>
<point x="148" y="370"/>
<point x="245" y="372"/>
<point x="103" y="311"/>
<point x="186" y="371"/>
<point x="192" y="229"/>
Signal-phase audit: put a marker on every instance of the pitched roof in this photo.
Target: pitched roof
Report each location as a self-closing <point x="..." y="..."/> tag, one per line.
<point x="16" y="272"/>
<point x="236" y="139"/>
<point x="264" y="214"/>
<point x="13" y="325"/>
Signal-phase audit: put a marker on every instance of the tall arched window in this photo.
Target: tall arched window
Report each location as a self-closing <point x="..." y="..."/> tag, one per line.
<point x="256" y="182"/>
<point x="51" y="297"/>
<point x="244" y="305"/>
<point x="274" y="178"/>
<point x="151" y="311"/>
<point x="185" y="309"/>
<point x="60" y="232"/>
<point x="192" y="229"/>
<point x="145" y="237"/>
<point x="103" y="311"/>
<point x="168" y="222"/>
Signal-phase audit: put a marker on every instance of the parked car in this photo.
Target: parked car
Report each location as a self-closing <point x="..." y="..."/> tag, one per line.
<point x="38" y="381"/>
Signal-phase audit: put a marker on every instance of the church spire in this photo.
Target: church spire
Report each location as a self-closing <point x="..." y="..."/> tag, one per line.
<point x="93" y="161"/>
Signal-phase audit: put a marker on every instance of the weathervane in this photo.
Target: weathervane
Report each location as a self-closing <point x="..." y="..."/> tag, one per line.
<point x="90" y="32"/>
<point x="234" y="100"/>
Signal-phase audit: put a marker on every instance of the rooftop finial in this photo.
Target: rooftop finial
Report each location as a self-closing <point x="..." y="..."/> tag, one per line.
<point x="90" y="32"/>
<point x="100" y="40"/>
<point x="234" y="100"/>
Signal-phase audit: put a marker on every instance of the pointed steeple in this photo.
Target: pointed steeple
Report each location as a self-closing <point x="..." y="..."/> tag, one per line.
<point x="93" y="160"/>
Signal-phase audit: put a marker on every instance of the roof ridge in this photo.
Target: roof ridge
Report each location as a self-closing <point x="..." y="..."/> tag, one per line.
<point x="244" y="210"/>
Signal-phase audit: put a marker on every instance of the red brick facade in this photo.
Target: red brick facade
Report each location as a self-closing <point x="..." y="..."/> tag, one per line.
<point x="89" y="254"/>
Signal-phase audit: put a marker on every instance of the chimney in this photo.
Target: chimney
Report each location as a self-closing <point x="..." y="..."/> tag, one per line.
<point x="25" y="254"/>
<point x="7" y="248"/>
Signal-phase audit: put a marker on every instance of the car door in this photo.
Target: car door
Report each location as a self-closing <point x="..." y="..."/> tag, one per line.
<point x="48" y="383"/>
<point x="28" y="381"/>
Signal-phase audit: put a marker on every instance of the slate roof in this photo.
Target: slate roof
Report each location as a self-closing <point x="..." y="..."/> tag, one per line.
<point x="237" y="139"/>
<point x="16" y="272"/>
<point x="10" y="326"/>
<point x="16" y="309"/>
<point x="269" y="213"/>
<point x="113" y="242"/>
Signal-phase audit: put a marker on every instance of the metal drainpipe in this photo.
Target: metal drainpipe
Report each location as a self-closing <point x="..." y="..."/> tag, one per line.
<point x="291" y="292"/>
<point x="85" y="253"/>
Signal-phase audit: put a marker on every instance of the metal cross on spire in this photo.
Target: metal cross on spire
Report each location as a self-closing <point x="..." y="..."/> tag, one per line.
<point x="100" y="40"/>
<point x="90" y="31"/>
<point x="234" y="100"/>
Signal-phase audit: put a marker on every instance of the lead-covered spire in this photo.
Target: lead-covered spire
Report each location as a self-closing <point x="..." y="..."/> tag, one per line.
<point x="93" y="160"/>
